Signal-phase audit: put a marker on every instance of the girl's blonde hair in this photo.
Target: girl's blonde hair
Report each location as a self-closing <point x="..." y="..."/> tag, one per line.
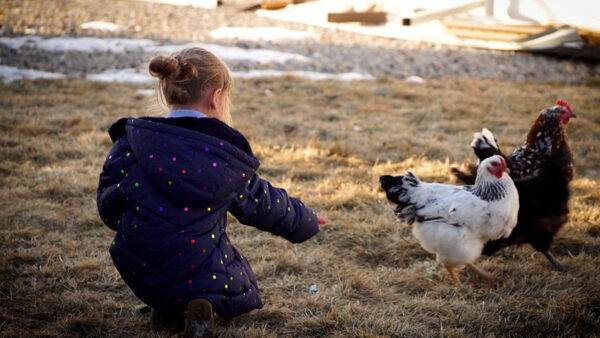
<point x="187" y="75"/>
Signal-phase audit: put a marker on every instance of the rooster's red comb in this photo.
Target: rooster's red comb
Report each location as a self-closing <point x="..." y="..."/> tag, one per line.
<point x="564" y="104"/>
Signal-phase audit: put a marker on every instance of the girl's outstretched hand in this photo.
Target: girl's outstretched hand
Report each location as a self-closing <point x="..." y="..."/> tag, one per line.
<point x="322" y="220"/>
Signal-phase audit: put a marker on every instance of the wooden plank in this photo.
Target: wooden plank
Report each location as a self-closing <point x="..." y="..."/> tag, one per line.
<point x="435" y="14"/>
<point x="497" y="32"/>
<point x="484" y="35"/>
<point x="274" y="4"/>
<point x="368" y="17"/>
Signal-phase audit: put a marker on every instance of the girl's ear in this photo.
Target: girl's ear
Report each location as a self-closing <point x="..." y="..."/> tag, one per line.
<point x="213" y="98"/>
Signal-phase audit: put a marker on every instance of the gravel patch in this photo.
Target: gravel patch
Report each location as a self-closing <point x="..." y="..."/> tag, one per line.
<point x="331" y="52"/>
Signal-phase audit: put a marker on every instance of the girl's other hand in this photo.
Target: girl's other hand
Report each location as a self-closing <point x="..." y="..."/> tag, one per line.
<point x="322" y="220"/>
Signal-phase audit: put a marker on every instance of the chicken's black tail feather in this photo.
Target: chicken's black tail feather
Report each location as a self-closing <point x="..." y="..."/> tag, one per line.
<point x="395" y="188"/>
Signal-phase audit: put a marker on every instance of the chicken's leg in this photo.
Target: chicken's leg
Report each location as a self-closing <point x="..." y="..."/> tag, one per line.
<point x="453" y="275"/>
<point x="486" y="275"/>
<point x="555" y="263"/>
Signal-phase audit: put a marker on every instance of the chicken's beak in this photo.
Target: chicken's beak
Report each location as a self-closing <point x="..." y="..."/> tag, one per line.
<point x="573" y="115"/>
<point x="506" y="170"/>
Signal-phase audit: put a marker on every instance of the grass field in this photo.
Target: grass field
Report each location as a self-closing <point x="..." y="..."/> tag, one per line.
<point x="327" y="143"/>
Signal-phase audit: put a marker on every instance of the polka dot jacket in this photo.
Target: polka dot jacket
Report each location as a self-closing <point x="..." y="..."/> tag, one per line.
<point x="166" y="188"/>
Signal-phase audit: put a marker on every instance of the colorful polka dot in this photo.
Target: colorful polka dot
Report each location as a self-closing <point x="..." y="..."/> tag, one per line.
<point x="192" y="241"/>
<point x="231" y="278"/>
<point x="212" y="236"/>
<point x="160" y="209"/>
<point x="204" y="188"/>
<point x="241" y="196"/>
<point x="185" y="209"/>
<point x="128" y="154"/>
<point x="226" y="286"/>
<point x="183" y="171"/>
<point x="174" y="158"/>
<point x="122" y="171"/>
<point x="170" y="182"/>
<point x="192" y="266"/>
<point x="137" y="208"/>
<point x="203" y="250"/>
<point x="243" y="175"/>
<point x="190" y="281"/>
<point x="199" y="170"/>
<point x="214" y="164"/>
<point x="151" y="156"/>
<point x="208" y="209"/>
<point x="214" y="276"/>
<point x="159" y="169"/>
<point x="137" y="184"/>
<point x="206" y="149"/>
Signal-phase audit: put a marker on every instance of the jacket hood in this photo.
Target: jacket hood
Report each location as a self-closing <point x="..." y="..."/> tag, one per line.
<point x="190" y="160"/>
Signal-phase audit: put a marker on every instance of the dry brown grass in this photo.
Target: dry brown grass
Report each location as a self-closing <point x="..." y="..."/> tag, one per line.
<point x="327" y="143"/>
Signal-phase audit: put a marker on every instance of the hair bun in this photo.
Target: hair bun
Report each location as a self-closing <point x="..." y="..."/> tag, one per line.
<point x="171" y="67"/>
<point x="164" y="67"/>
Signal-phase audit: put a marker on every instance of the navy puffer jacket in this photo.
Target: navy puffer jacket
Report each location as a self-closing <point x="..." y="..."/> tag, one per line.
<point x="166" y="187"/>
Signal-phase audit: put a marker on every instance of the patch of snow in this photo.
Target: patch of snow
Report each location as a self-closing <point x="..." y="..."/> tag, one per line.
<point x="315" y="76"/>
<point x="102" y="26"/>
<point x="235" y="53"/>
<point x="10" y="74"/>
<point x="119" y="45"/>
<point x="18" y="42"/>
<point x="415" y="79"/>
<point x="260" y="33"/>
<point x="82" y="44"/>
<point x="137" y="76"/>
<point x="126" y="75"/>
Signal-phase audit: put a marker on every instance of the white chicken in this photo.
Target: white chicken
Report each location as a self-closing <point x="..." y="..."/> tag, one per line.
<point x="455" y="222"/>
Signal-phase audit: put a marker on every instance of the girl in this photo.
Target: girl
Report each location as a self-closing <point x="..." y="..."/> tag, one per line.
<point x="166" y="187"/>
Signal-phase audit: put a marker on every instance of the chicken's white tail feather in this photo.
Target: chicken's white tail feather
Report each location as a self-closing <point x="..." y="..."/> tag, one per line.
<point x="483" y="140"/>
<point x="491" y="139"/>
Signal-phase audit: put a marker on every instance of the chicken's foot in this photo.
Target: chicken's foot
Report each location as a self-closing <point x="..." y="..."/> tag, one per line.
<point x="453" y="275"/>
<point x="555" y="263"/>
<point x="486" y="275"/>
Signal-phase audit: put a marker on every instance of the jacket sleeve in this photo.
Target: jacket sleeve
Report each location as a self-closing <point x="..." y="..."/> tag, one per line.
<point x="110" y="206"/>
<point x="269" y="208"/>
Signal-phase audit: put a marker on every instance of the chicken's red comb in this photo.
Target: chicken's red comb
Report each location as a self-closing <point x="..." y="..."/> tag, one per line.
<point x="564" y="104"/>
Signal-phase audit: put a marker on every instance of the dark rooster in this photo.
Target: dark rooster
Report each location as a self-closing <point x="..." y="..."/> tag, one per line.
<point x="542" y="169"/>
